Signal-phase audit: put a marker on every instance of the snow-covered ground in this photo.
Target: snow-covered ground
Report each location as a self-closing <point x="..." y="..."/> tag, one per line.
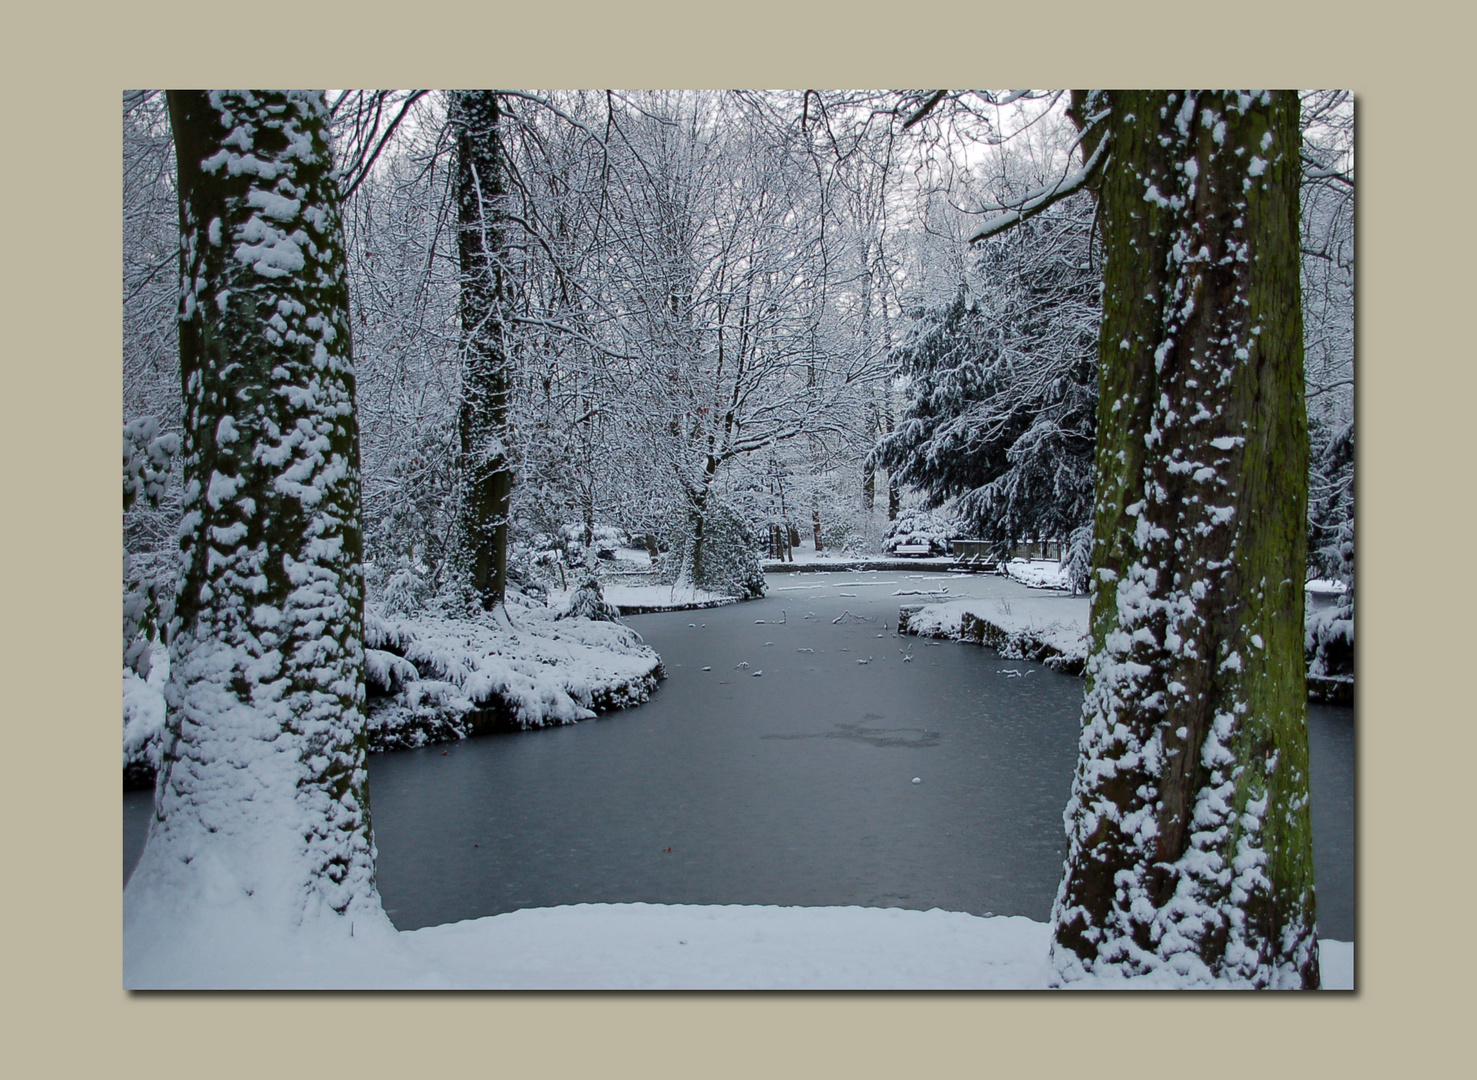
<point x="635" y="946"/>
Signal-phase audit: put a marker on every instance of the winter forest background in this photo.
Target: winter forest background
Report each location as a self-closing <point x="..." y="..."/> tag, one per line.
<point x="755" y="316"/>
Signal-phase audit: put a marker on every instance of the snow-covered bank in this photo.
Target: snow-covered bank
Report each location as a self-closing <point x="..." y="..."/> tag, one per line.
<point x="432" y="679"/>
<point x="1054" y="629"/>
<point x="1051" y="629"/>
<point x="1328" y="642"/>
<point x="640" y="946"/>
<point x="1037" y="573"/>
<point x="435" y="679"/>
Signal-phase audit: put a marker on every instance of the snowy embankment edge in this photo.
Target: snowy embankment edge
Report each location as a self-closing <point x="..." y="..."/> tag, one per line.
<point x="636" y="947"/>
<point x="434" y="680"/>
<point x="1059" y="643"/>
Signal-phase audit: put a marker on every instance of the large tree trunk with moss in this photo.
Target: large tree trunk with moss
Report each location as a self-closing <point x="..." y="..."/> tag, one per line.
<point x="1190" y="842"/>
<point x="486" y="459"/>
<point x="262" y="797"/>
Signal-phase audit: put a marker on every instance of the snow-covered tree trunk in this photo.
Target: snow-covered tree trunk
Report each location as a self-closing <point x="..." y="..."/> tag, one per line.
<point x="261" y="802"/>
<point x="486" y="460"/>
<point x="1188" y="825"/>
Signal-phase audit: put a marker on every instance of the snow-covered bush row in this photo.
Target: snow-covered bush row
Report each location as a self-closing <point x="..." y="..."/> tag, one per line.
<point x="602" y="538"/>
<point x="918" y="526"/>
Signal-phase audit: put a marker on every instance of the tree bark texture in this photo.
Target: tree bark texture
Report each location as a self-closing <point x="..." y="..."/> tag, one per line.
<point x="263" y="782"/>
<point x="1190" y="846"/>
<point x="486" y="459"/>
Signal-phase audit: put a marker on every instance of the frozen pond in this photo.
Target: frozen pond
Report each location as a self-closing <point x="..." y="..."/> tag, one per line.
<point x="794" y="786"/>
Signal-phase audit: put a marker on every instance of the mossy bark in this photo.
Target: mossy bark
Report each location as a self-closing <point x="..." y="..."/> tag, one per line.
<point x="1190" y="840"/>
<point x="267" y="663"/>
<point x="486" y="456"/>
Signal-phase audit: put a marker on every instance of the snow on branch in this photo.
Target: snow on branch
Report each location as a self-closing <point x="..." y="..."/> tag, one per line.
<point x="1038" y="200"/>
<point x="924" y="109"/>
<point x="1313" y="169"/>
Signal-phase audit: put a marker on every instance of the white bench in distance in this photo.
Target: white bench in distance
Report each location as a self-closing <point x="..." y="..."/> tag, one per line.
<point x="913" y="549"/>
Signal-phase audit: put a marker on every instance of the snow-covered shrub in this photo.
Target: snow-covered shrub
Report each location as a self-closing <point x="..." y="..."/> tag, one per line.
<point x="839" y="535"/>
<point x="535" y="568"/>
<point x="148" y="605"/>
<point x="1077" y="566"/>
<point x="1328" y="640"/>
<point x="918" y="526"/>
<point x="727" y="563"/>
<point x="148" y="457"/>
<point x="148" y="577"/>
<point x="403" y="588"/>
<point x="143" y="719"/>
<point x="588" y="602"/>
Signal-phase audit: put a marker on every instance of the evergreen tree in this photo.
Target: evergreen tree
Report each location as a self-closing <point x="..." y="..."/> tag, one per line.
<point x="1000" y="389"/>
<point x="262" y="798"/>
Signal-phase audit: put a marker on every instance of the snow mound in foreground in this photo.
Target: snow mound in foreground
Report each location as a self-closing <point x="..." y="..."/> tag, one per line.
<point x="633" y="947"/>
